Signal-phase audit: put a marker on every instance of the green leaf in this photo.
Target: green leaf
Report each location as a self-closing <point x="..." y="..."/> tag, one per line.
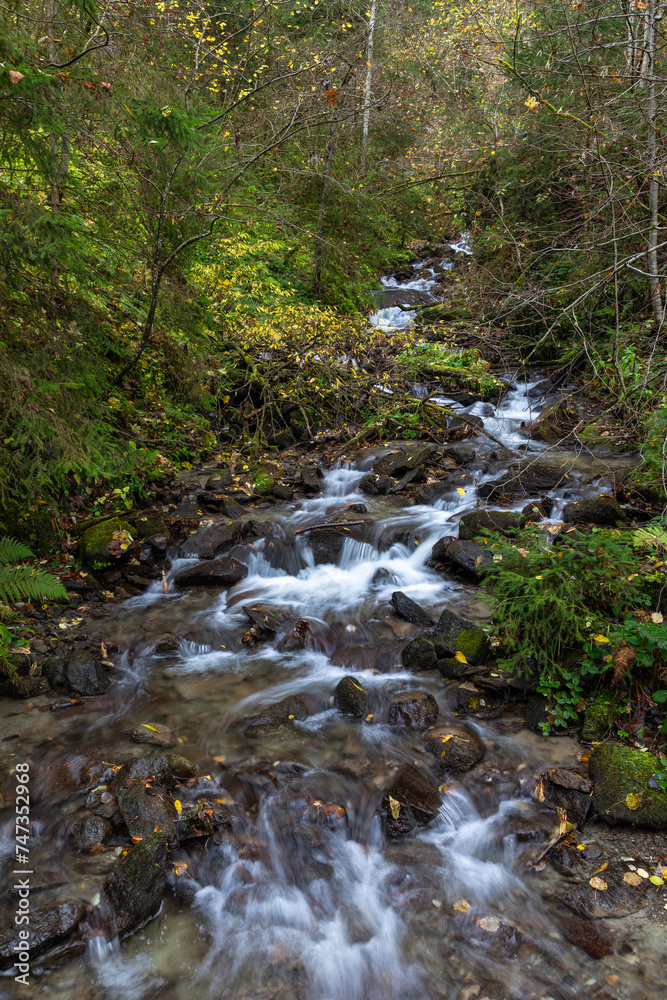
<point x="659" y="696"/>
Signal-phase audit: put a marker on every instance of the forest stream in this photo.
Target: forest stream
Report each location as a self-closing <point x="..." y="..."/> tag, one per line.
<point x="325" y="850"/>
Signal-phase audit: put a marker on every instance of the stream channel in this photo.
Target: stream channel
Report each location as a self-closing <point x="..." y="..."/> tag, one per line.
<point x="300" y="894"/>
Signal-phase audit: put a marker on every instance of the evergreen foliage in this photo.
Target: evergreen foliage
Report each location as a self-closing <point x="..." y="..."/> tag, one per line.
<point x="17" y="582"/>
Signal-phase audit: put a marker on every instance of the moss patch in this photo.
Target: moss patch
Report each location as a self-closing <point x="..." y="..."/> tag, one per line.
<point x="618" y="771"/>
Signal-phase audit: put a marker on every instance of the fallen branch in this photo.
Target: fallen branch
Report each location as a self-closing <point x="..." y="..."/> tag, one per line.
<point x="329" y="524"/>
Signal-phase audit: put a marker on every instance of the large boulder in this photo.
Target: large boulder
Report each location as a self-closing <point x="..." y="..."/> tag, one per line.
<point x="326" y="545"/>
<point x="402" y="459"/>
<point x="146" y="808"/>
<point x="411" y="800"/>
<point x="625" y="789"/>
<point x="553" y="423"/>
<point x="374" y="485"/>
<point x="597" y="510"/>
<point x="223" y="572"/>
<point x="454" y="748"/>
<point x="413" y="710"/>
<point x="132" y="891"/>
<point x="611" y="895"/>
<point x="525" y="479"/>
<point x="506" y="522"/>
<point x="106" y="543"/>
<point x="420" y="655"/>
<point x="461" y="556"/>
<point x="214" y="539"/>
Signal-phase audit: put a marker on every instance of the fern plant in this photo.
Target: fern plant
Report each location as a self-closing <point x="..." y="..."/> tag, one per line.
<point x="17" y="582"/>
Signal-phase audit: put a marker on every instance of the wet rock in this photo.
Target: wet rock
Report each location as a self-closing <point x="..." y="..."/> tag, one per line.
<point x="326" y="544"/>
<point x="180" y="767"/>
<point x="104" y="544"/>
<point x="84" y="674"/>
<point x="622" y="792"/>
<point x="410" y="610"/>
<point x="451" y="668"/>
<point x="618" y="898"/>
<point x="146" y="808"/>
<point x="402" y="460"/>
<point x="413" y="710"/>
<point x="296" y="638"/>
<point x="166" y="643"/>
<point x="454" y="748"/>
<point x="154" y="767"/>
<point x="149" y="525"/>
<point x="454" y="635"/>
<point x="55" y="671"/>
<point x="49" y="924"/>
<point x="58" y="780"/>
<point x="598" y="720"/>
<point x="263" y="481"/>
<point x="310" y="482"/>
<point x="281" y="491"/>
<point x="155" y="733"/>
<point x="506" y="522"/>
<point x="597" y="510"/>
<point x="269" y="617"/>
<point x="411" y="800"/>
<point x="132" y="891"/>
<point x="553" y="423"/>
<point x="214" y="539"/>
<point x="565" y="789"/>
<point x="525" y="479"/>
<point x="589" y="935"/>
<point x="294" y="708"/>
<point x="419" y="655"/>
<point x="223" y="572"/>
<point x="460" y="555"/>
<point x="351" y="698"/>
<point x="537" y="509"/>
<point x="460" y="452"/>
<point x="219" y="481"/>
<point x="90" y="829"/>
<point x="374" y="485"/>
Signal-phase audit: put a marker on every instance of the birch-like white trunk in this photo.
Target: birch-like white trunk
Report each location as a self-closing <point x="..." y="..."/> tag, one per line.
<point x="368" y="85"/>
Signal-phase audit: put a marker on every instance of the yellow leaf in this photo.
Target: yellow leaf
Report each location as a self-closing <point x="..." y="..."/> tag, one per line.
<point x="395" y="807"/>
<point x="531" y="103"/>
<point x="601" y="638"/>
<point x="656" y="880"/>
<point x="597" y="883"/>
<point x="539" y="576"/>
<point x="490" y="924"/>
<point x="144" y="725"/>
<point x="632" y="878"/>
<point x="178" y="807"/>
<point x="462" y="906"/>
<point x="602" y="867"/>
<point x="657" y="618"/>
<point x="459" y="490"/>
<point x="458" y="655"/>
<point x="633" y="801"/>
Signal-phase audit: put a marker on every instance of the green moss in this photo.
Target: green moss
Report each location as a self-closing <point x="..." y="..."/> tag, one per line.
<point x="618" y="771"/>
<point x="473" y="644"/>
<point x="94" y="547"/>
<point x="598" y="720"/>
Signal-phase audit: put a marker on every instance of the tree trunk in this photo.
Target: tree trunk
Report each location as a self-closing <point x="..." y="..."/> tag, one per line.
<point x="654" y="174"/>
<point x="367" y="87"/>
<point x="319" y="237"/>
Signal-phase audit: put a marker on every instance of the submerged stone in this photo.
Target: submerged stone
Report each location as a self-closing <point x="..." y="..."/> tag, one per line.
<point x="413" y="709"/>
<point x="411" y="800"/>
<point x="454" y="748"/>
<point x="351" y="698"/>
<point x="132" y="891"/>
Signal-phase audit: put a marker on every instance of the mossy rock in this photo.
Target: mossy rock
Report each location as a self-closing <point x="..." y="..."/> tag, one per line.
<point x="263" y="479"/>
<point x="149" y="524"/>
<point x="506" y="522"/>
<point x="598" y="721"/>
<point x="473" y="644"/>
<point x="96" y="543"/>
<point x="621" y="777"/>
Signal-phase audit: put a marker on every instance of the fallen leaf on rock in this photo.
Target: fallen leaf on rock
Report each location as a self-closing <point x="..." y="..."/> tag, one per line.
<point x="462" y="906"/>
<point x="458" y="655"/>
<point x="656" y="880"/>
<point x="178" y="807"/>
<point x="633" y="801"/>
<point x="601" y="868"/>
<point x="632" y="878"/>
<point x="490" y="924"/>
<point x="459" y="490"/>
<point x="597" y="883"/>
<point x="395" y="807"/>
<point x="642" y="872"/>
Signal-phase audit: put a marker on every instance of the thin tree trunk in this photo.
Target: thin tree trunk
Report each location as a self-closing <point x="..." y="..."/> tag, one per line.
<point x="654" y="187"/>
<point x="368" y="85"/>
<point x="319" y="238"/>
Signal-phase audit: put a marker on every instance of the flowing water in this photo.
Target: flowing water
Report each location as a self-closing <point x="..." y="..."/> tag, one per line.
<point x="305" y="899"/>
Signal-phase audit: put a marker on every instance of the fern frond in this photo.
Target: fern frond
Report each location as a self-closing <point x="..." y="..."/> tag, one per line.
<point x="26" y="582"/>
<point x="11" y="551"/>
